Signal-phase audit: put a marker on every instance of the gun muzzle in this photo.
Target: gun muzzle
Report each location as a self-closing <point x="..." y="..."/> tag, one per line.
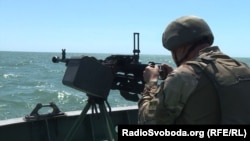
<point x="56" y="59"/>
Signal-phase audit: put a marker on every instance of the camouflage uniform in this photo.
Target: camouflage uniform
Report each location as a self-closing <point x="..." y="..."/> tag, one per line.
<point x="186" y="96"/>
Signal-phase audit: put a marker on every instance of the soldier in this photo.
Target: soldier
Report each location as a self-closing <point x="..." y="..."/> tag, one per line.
<point x="207" y="87"/>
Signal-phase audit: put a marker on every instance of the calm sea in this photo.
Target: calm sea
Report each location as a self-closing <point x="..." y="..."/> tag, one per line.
<point x="28" y="78"/>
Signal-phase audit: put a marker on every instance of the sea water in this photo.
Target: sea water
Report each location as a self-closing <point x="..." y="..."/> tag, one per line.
<point x="29" y="78"/>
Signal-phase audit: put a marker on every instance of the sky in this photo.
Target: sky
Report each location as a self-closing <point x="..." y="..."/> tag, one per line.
<point x="107" y="26"/>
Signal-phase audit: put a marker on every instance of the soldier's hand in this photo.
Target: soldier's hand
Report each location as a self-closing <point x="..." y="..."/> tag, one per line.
<point x="151" y="73"/>
<point x="165" y="70"/>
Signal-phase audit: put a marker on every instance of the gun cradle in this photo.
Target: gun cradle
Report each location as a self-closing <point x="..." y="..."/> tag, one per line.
<point x="97" y="77"/>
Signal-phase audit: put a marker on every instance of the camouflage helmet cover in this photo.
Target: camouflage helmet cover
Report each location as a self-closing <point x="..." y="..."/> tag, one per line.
<point x="184" y="30"/>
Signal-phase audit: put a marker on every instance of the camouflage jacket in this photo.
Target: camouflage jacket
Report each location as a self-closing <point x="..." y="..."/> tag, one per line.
<point x="186" y="96"/>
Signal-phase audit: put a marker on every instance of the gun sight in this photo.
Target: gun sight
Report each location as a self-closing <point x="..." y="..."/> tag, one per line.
<point x="57" y="59"/>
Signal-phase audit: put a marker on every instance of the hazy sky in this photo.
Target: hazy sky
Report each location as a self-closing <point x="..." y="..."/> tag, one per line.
<point x="107" y="26"/>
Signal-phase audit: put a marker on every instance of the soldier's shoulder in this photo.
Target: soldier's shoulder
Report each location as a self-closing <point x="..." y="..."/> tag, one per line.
<point x="183" y="72"/>
<point x="185" y="69"/>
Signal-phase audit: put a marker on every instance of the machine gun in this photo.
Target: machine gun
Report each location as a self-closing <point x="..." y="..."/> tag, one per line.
<point x="97" y="77"/>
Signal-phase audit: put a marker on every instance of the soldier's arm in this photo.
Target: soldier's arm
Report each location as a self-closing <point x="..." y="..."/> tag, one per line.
<point x="163" y="104"/>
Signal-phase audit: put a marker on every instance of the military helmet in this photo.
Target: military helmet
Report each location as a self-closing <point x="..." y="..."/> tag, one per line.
<point x="184" y="30"/>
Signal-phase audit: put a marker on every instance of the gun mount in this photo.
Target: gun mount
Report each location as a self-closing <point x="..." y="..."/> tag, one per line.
<point x="96" y="77"/>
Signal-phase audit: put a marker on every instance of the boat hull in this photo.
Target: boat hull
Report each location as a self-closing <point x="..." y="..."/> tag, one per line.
<point x="93" y="126"/>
